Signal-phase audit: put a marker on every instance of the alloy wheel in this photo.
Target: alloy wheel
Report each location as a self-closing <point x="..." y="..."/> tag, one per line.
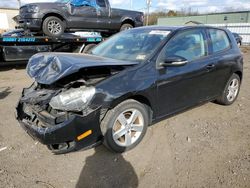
<point x="128" y="127"/>
<point x="233" y="90"/>
<point x="54" y="27"/>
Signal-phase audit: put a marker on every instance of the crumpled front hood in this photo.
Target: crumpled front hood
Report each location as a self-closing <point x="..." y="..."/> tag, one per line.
<point x="47" y="68"/>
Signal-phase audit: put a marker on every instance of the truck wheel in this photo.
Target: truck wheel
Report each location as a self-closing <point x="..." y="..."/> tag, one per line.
<point x="88" y="48"/>
<point x="53" y="26"/>
<point x="231" y="91"/>
<point x="126" y="27"/>
<point x="124" y="126"/>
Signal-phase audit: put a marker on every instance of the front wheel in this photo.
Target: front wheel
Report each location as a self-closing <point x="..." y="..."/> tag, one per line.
<point x="124" y="126"/>
<point x="53" y="26"/>
<point x="231" y="90"/>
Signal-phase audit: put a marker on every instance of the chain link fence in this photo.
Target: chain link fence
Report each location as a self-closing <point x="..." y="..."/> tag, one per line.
<point x="243" y="29"/>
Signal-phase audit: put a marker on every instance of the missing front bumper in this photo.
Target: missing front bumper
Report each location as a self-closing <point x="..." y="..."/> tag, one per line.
<point x="66" y="132"/>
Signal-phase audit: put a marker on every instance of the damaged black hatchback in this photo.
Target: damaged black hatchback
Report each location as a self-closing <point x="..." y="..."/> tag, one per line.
<point x="126" y="83"/>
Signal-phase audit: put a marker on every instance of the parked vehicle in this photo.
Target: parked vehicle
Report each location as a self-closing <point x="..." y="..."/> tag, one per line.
<point x="19" y="45"/>
<point x="95" y="15"/>
<point x="238" y="38"/>
<point x="126" y="83"/>
<point x="15" y="33"/>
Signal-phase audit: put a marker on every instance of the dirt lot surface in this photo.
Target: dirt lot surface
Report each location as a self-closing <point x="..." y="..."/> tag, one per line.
<point x="208" y="146"/>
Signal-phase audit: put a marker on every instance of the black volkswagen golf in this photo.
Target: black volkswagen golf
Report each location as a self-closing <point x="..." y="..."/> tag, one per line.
<point x="128" y="82"/>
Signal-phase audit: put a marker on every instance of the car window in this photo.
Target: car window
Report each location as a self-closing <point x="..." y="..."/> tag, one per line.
<point x="219" y="40"/>
<point x="189" y="44"/>
<point x="101" y="3"/>
<point x="131" y="45"/>
<point x="80" y="3"/>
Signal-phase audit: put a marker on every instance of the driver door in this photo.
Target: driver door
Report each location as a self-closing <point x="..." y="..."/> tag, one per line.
<point x="83" y="14"/>
<point x="184" y="86"/>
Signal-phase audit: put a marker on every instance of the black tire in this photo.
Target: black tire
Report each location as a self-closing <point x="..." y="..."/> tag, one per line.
<point x="109" y="121"/>
<point x="88" y="47"/>
<point x="59" y="23"/>
<point x="126" y="27"/>
<point x="223" y="99"/>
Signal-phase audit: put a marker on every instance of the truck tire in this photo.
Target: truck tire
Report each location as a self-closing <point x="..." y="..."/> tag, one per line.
<point x="53" y="26"/>
<point x="126" y="27"/>
<point x="88" y="48"/>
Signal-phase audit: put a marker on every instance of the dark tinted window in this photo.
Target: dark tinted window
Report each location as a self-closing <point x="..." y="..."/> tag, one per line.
<point x="219" y="40"/>
<point x="101" y="3"/>
<point x="188" y="44"/>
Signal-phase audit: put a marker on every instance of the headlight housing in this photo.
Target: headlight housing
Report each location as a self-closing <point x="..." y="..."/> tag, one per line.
<point x="75" y="99"/>
<point x="32" y="9"/>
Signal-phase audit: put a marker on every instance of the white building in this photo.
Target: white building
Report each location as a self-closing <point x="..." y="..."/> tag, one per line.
<point x="6" y="15"/>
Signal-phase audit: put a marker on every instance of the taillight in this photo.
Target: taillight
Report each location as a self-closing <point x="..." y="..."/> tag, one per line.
<point x="142" y="18"/>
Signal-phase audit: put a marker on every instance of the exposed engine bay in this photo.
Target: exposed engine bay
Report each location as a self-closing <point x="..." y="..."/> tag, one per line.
<point x="38" y="96"/>
<point x="60" y="105"/>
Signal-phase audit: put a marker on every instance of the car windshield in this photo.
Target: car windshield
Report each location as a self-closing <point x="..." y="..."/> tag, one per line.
<point x="131" y="45"/>
<point x="62" y="1"/>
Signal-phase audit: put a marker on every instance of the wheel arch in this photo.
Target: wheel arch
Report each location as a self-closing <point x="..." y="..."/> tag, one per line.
<point x="54" y="14"/>
<point x="128" y="21"/>
<point x="139" y="98"/>
<point x="239" y="73"/>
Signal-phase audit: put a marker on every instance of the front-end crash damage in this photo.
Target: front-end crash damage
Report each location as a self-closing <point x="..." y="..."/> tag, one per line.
<point x="57" y="109"/>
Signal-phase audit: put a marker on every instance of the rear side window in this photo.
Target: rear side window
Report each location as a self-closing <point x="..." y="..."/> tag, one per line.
<point x="219" y="40"/>
<point x="101" y="3"/>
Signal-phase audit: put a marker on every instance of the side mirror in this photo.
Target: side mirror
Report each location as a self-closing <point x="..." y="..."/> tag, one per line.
<point x="176" y="61"/>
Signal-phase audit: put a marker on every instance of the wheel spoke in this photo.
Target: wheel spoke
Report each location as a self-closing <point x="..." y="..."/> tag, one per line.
<point x="137" y="128"/>
<point x="234" y="82"/>
<point x="127" y="139"/>
<point x="230" y="96"/>
<point x="118" y="134"/>
<point x="133" y="117"/>
<point x="122" y="119"/>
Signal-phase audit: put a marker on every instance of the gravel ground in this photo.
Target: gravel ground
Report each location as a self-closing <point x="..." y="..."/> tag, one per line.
<point x="208" y="146"/>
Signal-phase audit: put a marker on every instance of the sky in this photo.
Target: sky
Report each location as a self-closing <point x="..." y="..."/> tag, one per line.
<point x="202" y="6"/>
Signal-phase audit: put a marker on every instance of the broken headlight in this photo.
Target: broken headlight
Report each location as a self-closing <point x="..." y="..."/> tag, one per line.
<point x="75" y="99"/>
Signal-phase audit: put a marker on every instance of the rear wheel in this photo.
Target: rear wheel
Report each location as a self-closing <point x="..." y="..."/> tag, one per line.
<point x="53" y="26"/>
<point x="125" y="125"/>
<point x="126" y="27"/>
<point x="88" y="47"/>
<point x="231" y="90"/>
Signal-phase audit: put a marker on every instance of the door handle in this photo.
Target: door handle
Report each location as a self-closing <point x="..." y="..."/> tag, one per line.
<point x="210" y="67"/>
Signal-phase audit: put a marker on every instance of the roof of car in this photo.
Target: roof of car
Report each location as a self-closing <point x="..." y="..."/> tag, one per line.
<point x="172" y="28"/>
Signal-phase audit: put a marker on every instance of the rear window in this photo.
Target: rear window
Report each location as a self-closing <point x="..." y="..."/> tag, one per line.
<point x="101" y="3"/>
<point x="219" y="40"/>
